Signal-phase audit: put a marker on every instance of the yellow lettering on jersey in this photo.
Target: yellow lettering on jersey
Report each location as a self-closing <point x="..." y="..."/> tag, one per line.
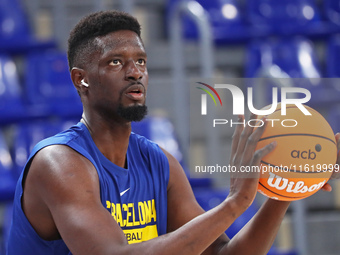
<point x="113" y="208"/>
<point x="128" y="215"/>
<point x="132" y="209"/>
<point x="153" y="211"/>
<point x="141" y="213"/>
<point x="148" y="208"/>
<point x="146" y="213"/>
<point x="140" y="234"/>
<point x="119" y="216"/>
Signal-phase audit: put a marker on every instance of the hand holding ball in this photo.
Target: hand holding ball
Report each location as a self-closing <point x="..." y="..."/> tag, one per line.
<point x="304" y="157"/>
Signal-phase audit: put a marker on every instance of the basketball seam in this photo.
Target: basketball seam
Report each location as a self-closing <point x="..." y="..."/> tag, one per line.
<point x="297" y="134"/>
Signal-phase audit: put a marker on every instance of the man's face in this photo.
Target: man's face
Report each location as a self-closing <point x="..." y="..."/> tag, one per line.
<point x="119" y="76"/>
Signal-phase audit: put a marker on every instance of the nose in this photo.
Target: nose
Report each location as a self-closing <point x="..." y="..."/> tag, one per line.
<point x="133" y="72"/>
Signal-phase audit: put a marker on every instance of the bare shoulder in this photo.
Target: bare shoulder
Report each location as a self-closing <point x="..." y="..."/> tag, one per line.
<point x="59" y="161"/>
<point x="57" y="175"/>
<point x="173" y="162"/>
<point x="61" y="168"/>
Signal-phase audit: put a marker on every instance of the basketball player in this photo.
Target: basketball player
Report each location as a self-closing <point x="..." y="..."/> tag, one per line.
<point x="99" y="189"/>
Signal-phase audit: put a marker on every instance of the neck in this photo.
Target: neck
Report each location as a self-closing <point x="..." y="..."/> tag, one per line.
<point x="111" y="138"/>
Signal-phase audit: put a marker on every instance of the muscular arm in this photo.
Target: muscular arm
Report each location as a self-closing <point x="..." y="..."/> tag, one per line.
<point x="258" y="235"/>
<point x="63" y="186"/>
<point x="61" y="197"/>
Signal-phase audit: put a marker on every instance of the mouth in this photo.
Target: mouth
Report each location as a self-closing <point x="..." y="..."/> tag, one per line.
<point x="135" y="92"/>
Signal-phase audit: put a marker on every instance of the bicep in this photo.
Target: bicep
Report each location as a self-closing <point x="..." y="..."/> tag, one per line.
<point x="69" y="187"/>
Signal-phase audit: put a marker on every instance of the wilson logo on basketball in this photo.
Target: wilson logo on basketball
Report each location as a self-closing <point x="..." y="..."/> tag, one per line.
<point x="280" y="183"/>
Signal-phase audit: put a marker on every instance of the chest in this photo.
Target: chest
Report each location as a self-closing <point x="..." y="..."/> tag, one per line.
<point x="132" y="197"/>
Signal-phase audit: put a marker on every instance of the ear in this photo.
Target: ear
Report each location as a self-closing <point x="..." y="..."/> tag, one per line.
<point x="77" y="75"/>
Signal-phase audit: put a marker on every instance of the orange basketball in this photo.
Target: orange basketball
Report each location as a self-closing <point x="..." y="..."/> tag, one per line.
<point x="303" y="159"/>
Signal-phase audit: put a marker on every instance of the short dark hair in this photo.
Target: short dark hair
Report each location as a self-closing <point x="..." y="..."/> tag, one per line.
<point x="81" y="41"/>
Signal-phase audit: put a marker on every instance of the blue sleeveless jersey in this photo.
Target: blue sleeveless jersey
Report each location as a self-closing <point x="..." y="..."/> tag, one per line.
<point x="136" y="197"/>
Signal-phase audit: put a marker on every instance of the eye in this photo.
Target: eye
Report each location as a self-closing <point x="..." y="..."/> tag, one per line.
<point x="141" y="62"/>
<point x="115" y="62"/>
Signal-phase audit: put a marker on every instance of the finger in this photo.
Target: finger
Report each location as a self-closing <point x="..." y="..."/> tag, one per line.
<point x="259" y="154"/>
<point x="247" y="131"/>
<point x="252" y="143"/>
<point x="336" y="172"/>
<point x="236" y="137"/>
<point x="337" y="138"/>
<point x="327" y="187"/>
